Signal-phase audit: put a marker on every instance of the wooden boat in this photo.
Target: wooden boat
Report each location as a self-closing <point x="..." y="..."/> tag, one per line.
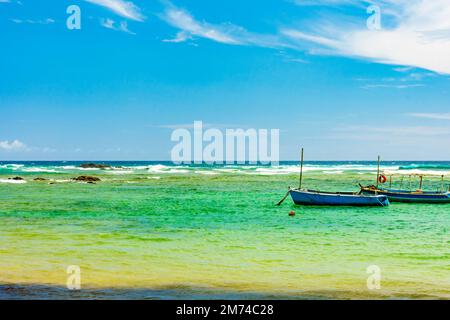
<point x="417" y="196"/>
<point x="401" y="195"/>
<point x="320" y="198"/>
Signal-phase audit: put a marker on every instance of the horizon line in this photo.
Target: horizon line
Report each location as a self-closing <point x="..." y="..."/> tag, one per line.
<point x="224" y="163"/>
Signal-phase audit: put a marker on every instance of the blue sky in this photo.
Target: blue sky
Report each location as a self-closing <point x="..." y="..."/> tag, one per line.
<point x="136" y="69"/>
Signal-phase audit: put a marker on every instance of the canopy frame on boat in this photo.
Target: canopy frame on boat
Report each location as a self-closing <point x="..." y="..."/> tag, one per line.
<point x="442" y="175"/>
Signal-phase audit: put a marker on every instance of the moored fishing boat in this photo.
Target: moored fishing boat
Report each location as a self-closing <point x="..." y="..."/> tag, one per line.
<point x="322" y="198"/>
<point x="417" y="196"/>
<point x="410" y="196"/>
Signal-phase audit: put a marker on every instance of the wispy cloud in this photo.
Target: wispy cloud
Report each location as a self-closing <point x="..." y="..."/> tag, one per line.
<point x="324" y="2"/>
<point x="30" y="21"/>
<point x="417" y="35"/>
<point x="391" y="135"/>
<point x="181" y="36"/>
<point x="434" y="116"/>
<point x="407" y="79"/>
<point x="420" y="37"/>
<point x="395" y="86"/>
<point x="126" y="9"/>
<point x="226" y="33"/>
<point x="15" y="145"/>
<point x="117" y="26"/>
<point x="19" y="146"/>
<point x="184" y="21"/>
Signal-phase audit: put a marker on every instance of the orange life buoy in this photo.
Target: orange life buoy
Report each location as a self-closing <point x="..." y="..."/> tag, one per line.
<point x="382" y="179"/>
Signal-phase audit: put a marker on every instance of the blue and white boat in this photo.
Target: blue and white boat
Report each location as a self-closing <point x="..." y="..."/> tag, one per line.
<point x="417" y="196"/>
<point x="411" y="196"/>
<point x="320" y="198"/>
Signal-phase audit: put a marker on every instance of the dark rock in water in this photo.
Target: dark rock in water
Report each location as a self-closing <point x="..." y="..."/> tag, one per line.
<point x="86" y="179"/>
<point x="94" y="166"/>
<point x="16" y="178"/>
<point x="40" y="179"/>
<point x="91" y="182"/>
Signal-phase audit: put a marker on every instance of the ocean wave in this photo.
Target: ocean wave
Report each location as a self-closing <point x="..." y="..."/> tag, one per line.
<point x="425" y="167"/>
<point x="38" y="169"/>
<point x="121" y="171"/>
<point x="211" y="173"/>
<point x="334" y="172"/>
<point x="12" y="181"/>
<point x="69" y="168"/>
<point x="159" y="168"/>
<point x="11" y="166"/>
<point x="417" y="172"/>
<point x="226" y="170"/>
<point x="295" y="169"/>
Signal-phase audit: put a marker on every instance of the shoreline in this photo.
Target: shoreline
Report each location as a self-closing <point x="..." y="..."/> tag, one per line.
<point x="183" y="292"/>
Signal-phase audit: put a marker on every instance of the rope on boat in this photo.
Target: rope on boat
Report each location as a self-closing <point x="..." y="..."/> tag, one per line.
<point x="284" y="198"/>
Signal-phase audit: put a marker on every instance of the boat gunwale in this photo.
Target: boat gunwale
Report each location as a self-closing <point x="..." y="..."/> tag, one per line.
<point x="349" y="194"/>
<point x="405" y="192"/>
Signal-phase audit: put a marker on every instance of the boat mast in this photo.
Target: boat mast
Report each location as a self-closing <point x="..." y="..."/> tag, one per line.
<point x="378" y="171"/>
<point x="301" y="171"/>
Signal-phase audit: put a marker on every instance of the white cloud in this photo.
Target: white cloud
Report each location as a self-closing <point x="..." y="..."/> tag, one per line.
<point x="226" y="33"/>
<point x="111" y="24"/>
<point x="181" y="36"/>
<point x="395" y="86"/>
<point x="15" y="145"/>
<point x="324" y="2"/>
<point x="126" y="9"/>
<point x="434" y="116"/>
<point x="400" y="136"/>
<point x="420" y="36"/>
<point x="30" y="21"/>
<point x="181" y="19"/>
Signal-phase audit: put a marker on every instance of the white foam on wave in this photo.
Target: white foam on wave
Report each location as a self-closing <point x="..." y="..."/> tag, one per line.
<point x="138" y="167"/>
<point x="334" y="172"/>
<point x="88" y="169"/>
<point x="38" y="169"/>
<point x="69" y="167"/>
<point x="155" y="178"/>
<point x="120" y="171"/>
<point x="226" y="170"/>
<point x="210" y="173"/>
<point x="11" y="166"/>
<point x="417" y="172"/>
<point x="159" y="168"/>
<point x="177" y="171"/>
<point x="12" y="181"/>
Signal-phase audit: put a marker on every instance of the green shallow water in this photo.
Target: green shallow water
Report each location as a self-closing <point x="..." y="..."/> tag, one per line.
<point x="214" y="236"/>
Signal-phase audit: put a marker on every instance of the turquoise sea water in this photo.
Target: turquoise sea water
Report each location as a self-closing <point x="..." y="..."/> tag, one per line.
<point x="154" y="230"/>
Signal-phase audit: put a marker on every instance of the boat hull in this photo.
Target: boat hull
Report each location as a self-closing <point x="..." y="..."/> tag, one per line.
<point x="410" y="197"/>
<point x="305" y="197"/>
